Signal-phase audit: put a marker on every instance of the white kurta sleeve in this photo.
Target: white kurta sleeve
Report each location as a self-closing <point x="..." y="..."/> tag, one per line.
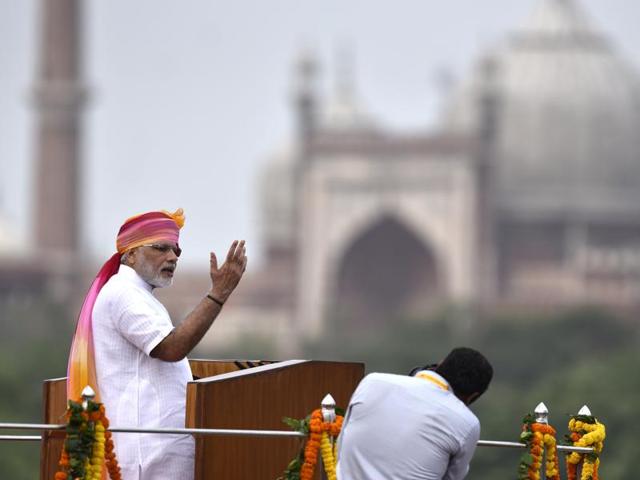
<point x="459" y="463"/>
<point x="141" y="324"/>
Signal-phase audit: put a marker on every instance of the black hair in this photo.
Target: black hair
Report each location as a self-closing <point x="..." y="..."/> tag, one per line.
<point x="415" y="370"/>
<point x="467" y="371"/>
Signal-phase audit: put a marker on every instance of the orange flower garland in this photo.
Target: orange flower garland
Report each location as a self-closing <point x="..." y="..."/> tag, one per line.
<point x="320" y="436"/>
<point x="537" y="437"/>
<point x="312" y="446"/>
<point x="88" y="445"/>
<point x="546" y="435"/>
<point x="317" y="430"/>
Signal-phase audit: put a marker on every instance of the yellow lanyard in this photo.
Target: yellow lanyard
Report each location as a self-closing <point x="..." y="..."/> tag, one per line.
<point x="438" y="382"/>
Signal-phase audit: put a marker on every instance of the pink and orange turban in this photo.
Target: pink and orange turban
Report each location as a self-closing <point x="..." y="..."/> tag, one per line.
<point x="136" y="231"/>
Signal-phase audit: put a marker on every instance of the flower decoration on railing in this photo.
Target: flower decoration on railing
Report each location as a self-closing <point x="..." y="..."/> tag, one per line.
<point x="585" y="431"/>
<point x="538" y="436"/>
<point x="320" y="439"/>
<point x="88" y="445"/>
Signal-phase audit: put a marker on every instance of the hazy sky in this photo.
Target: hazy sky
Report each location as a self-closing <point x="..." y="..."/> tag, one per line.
<point x="189" y="99"/>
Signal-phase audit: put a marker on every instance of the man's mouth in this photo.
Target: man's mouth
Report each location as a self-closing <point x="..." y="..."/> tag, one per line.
<point x="168" y="271"/>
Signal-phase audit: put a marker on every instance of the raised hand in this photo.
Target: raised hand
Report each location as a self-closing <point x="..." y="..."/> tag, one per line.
<point x="225" y="279"/>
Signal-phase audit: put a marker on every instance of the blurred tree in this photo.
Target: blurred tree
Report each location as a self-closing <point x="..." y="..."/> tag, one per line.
<point x="35" y="340"/>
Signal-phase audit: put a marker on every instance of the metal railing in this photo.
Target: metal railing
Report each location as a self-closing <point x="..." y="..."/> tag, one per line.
<point x="328" y="406"/>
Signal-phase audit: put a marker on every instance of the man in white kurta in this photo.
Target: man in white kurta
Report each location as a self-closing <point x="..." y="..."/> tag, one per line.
<point x="408" y="428"/>
<point x="137" y="390"/>
<point x="127" y="348"/>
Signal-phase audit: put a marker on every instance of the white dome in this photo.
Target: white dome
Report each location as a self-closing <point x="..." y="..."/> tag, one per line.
<point x="569" y="116"/>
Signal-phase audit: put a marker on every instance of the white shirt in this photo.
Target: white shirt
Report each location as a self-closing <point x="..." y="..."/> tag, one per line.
<point x="137" y="390"/>
<point x="406" y="428"/>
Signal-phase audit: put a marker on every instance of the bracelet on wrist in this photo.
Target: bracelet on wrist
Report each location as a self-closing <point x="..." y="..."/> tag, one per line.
<point x="215" y="300"/>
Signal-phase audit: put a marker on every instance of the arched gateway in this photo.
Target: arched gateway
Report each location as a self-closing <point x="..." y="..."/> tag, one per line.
<point x="381" y="236"/>
<point x="525" y="194"/>
<point x="387" y="272"/>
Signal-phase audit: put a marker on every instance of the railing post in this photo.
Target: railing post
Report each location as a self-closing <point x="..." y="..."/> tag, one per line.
<point x="328" y="406"/>
<point x="87" y="395"/>
<point x="542" y="413"/>
<point x="583" y="411"/>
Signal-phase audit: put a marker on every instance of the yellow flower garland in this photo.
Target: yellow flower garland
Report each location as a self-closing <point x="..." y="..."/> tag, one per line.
<point x="586" y="431"/>
<point x="94" y="470"/>
<point x="328" y="457"/>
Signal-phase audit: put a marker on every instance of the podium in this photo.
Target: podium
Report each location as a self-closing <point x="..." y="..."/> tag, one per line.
<point x="234" y="394"/>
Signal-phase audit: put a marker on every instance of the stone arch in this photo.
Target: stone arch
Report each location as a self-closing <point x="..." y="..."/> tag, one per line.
<point x="386" y="272"/>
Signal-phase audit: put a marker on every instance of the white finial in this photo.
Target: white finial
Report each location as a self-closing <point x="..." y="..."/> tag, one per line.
<point x="88" y="394"/>
<point x="542" y="413"/>
<point x="328" y="408"/>
<point x="585" y="411"/>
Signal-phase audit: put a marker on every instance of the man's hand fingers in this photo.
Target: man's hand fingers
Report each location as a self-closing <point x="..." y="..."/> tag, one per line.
<point x="240" y="251"/>
<point x="232" y="250"/>
<point x="214" y="261"/>
<point x="225" y="279"/>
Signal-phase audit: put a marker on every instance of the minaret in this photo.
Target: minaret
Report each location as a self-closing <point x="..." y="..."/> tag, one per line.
<point x="305" y="116"/>
<point x="342" y="110"/>
<point x="59" y="97"/>
<point x="304" y="100"/>
<point x="345" y="74"/>
<point x="487" y="132"/>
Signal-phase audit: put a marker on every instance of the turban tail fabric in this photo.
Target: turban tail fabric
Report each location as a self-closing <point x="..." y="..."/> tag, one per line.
<point x="136" y="231"/>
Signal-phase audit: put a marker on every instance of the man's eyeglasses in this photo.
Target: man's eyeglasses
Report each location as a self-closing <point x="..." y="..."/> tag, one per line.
<point x="164" y="248"/>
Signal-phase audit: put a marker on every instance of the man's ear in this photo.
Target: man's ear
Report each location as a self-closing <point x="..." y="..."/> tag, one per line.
<point x="130" y="259"/>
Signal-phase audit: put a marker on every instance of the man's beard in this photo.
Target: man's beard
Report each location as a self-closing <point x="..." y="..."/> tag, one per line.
<point x="153" y="278"/>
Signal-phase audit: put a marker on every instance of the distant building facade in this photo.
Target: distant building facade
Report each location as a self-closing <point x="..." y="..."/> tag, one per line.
<point x="526" y="194"/>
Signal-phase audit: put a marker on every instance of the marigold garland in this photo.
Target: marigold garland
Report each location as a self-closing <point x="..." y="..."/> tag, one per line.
<point x="328" y="458"/>
<point x="319" y="440"/>
<point x="312" y="446"/>
<point x="585" y="431"/>
<point x="88" y="445"/>
<point x="538" y="437"/>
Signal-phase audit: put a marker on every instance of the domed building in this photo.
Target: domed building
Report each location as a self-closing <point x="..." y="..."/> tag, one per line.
<point x="527" y="194"/>
<point x="565" y="158"/>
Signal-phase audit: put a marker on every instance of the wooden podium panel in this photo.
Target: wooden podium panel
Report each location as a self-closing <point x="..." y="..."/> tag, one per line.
<point x="234" y="394"/>
<point x="54" y="403"/>
<point x="258" y="399"/>
<point x="201" y="368"/>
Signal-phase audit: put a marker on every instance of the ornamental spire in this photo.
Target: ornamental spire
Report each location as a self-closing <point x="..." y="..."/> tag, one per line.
<point x="585" y="411"/>
<point x="542" y="413"/>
